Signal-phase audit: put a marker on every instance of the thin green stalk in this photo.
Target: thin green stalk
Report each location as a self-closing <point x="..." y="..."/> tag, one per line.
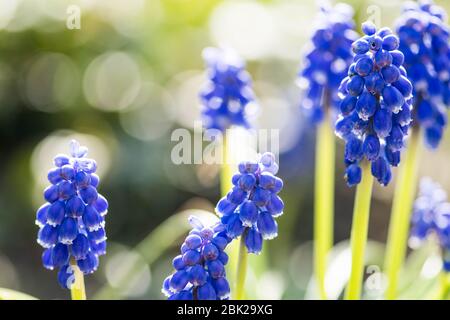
<point x="77" y="291"/>
<point x="360" y="226"/>
<point x="401" y="213"/>
<point x="241" y="270"/>
<point x="444" y="285"/>
<point x="226" y="173"/>
<point x="323" y="202"/>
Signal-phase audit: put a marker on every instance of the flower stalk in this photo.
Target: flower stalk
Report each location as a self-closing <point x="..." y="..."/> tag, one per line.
<point x="77" y="291"/>
<point x="401" y="213"/>
<point x="359" y="232"/>
<point x="324" y="201"/>
<point x="241" y="270"/>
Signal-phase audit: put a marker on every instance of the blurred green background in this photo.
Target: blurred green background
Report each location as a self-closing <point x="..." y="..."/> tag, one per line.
<point x="121" y="84"/>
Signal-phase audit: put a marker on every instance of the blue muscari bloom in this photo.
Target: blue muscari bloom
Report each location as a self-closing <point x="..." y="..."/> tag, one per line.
<point x="200" y="267"/>
<point x="71" y="222"/>
<point x="375" y="111"/>
<point x="431" y="217"/>
<point x="227" y="98"/>
<point x="424" y="41"/>
<point x="327" y="60"/>
<point x="250" y="208"/>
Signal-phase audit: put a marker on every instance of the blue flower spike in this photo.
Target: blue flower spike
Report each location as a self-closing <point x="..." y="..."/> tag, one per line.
<point x="227" y="98"/>
<point x="200" y="267"/>
<point x="431" y="217"/>
<point x="250" y="208"/>
<point x="327" y="60"/>
<point x="425" y="48"/>
<point x="71" y="222"/>
<point x="376" y="103"/>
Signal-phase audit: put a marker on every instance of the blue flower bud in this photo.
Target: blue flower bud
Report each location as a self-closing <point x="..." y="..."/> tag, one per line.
<point x="210" y="252"/>
<point x="353" y="175"/>
<point x="225" y="207"/>
<point x="267" y="226"/>
<point x="60" y="255"/>
<point x="364" y="66"/>
<point x="47" y="236"/>
<point x="390" y="74"/>
<point x="393" y="157"/>
<point x="89" y="264"/>
<point x="54" y="175"/>
<point x="236" y="195"/>
<point x="67" y="172"/>
<point x="51" y="193"/>
<point x="261" y="196"/>
<point x="82" y="179"/>
<point x="371" y="147"/>
<point x="383" y="58"/>
<point x="75" y="207"/>
<point x="247" y="181"/>
<point x="248" y="213"/>
<point x="395" y="139"/>
<point x="348" y="105"/>
<point x="215" y="268"/>
<point x="68" y="230"/>
<point x="275" y="205"/>
<point x="234" y="226"/>
<point x="191" y="257"/>
<point x="92" y="219"/>
<point x="197" y="275"/>
<point x="60" y="160"/>
<point x="66" y="277"/>
<point x="47" y="261"/>
<point x="393" y="98"/>
<point x="206" y="292"/>
<point x="355" y="86"/>
<point x="382" y="122"/>
<point x="366" y="105"/>
<point x="369" y="28"/>
<point x="193" y="241"/>
<point x="89" y="194"/>
<point x="222" y="287"/>
<point x="55" y="213"/>
<point x="360" y="46"/>
<point x="353" y="149"/>
<point x="80" y="247"/>
<point x="254" y="241"/>
<point x="41" y="215"/>
<point x="390" y="42"/>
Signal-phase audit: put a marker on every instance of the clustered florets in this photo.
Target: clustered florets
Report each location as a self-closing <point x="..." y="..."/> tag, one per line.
<point x="327" y="60"/>
<point x="424" y="40"/>
<point x="375" y="112"/>
<point x="431" y="216"/>
<point x="227" y="96"/>
<point x="251" y="207"/>
<point x="200" y="268"/>
<point x="72" y="223"/>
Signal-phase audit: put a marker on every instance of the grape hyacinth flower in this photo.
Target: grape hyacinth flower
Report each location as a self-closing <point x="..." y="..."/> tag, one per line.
<point x="327" y="60"/>
<point x="250" y="208"/>
<point x="227" y="97"/>
<point x="71" y="222"/>
<point x="424" y="41"/>
<point x="431" y="216"/>
<point x="200" y="268"/>
<point x="375" y="111"/>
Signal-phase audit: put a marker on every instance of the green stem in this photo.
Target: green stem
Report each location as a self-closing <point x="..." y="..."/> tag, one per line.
<point x="77" y="291"/>
<point x="323" y="202"/>
<point x="444" y="285"/>
<point x="241" y="270"/>
<point x="401" y="214"/>
<point x="360" y="226"/>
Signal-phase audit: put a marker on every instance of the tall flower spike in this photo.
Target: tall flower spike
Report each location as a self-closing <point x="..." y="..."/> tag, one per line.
<point x="200" y="268"/>
<point x="71" y="222"/>
<point x="251" y="207"/>
<point x="431" y="215"/>
<point x="327" y="60"/>
<point x="227" y="97"/>
<point x="375" y="111"/>
<point x="424" y="41"/>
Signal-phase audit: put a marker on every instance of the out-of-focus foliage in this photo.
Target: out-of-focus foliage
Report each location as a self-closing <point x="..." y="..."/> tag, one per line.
<point x="120" y="85"/>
